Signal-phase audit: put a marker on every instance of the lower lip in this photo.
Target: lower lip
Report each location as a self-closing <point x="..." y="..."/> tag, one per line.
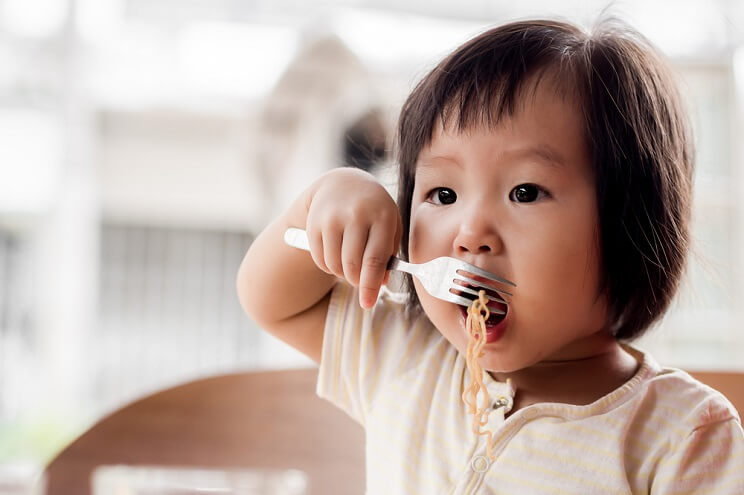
<point x="493" y="331"/>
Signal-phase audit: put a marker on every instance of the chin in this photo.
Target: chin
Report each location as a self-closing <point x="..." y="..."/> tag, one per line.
<point x="494" y="365"/>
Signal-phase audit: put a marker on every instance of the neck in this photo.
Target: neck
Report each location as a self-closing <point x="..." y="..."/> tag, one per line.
<point x="579" y="375"/>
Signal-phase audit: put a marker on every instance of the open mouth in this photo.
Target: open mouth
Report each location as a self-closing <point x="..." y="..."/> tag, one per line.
<point x="496" y="324"/>
<point x="495" y="307"/>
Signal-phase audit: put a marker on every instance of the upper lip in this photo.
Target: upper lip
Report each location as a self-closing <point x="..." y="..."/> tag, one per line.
<point x="490" y="292"/>
<point x="485" y="267"/>
<point x="483" y="280"/>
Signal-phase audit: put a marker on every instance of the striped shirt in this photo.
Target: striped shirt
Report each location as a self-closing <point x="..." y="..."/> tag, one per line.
<point x="662" y="432"/>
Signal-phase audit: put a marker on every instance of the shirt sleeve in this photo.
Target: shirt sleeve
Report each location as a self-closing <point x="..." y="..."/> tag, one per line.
<point x="709" y="460"/>
<point x="359" y="347"/>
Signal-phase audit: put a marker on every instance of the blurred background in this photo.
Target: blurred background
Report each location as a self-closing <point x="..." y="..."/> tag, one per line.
<point x="143" y="144"/>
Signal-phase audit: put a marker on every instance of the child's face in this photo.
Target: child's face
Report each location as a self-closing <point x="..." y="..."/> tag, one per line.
<point x="467" y="204"/>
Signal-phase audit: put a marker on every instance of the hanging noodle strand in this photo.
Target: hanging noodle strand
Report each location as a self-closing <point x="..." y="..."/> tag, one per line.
<point x="475" y="324"/>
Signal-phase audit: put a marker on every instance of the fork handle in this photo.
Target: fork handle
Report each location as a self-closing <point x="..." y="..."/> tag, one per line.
<point x="296" y="238"/>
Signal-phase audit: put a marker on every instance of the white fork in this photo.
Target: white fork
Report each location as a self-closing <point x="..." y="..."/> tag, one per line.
<point x="439" y="276"/>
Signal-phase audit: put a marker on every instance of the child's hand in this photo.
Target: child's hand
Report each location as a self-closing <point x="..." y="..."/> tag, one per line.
<point x="353" y="227"/>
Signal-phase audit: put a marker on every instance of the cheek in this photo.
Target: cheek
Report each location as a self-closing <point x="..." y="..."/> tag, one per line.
<point x="445" y="317"/>
<point x="563" y="249"/>
<point x="425" y="242"/>
<point x="559" y="276"/>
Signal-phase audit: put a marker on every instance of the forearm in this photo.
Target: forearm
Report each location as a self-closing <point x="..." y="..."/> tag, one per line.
<point x="276" y="281"/>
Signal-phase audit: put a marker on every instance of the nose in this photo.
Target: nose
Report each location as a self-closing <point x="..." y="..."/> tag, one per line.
<point x="477" y="234"/>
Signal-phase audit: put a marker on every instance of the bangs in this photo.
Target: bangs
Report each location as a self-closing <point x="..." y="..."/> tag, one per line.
<point x="485" y="80"/>
<point x="486" y="103"/>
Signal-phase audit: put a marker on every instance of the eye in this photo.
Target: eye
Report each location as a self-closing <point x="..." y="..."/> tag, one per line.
<point x="526" y="193"/>
<point x="442" y="196"/>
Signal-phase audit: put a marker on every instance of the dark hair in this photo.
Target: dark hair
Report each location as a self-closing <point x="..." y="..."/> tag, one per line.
<point x="636" y="129"/>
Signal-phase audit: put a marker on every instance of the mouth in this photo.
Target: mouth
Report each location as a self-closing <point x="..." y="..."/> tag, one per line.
<point x="493" y="306"/>
<point x="496" y="323"/>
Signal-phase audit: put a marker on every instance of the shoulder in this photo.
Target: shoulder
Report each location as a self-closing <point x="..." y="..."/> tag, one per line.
<point x="701" y="441"/>
<point x="698" y="404"/>
<point x="680" y="399"/>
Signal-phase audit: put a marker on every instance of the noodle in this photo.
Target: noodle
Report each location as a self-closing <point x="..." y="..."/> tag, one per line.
<point x="478" y="313"/>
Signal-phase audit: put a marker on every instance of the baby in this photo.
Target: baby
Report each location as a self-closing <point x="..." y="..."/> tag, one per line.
<point x="559" y="160"/>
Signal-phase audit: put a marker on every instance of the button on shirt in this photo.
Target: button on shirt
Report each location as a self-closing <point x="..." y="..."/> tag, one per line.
<point x="502" y="395"/>
<point x="661" y="432"/>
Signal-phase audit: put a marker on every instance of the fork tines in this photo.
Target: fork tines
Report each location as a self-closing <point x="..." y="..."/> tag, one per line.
<point x="467" y="284"/>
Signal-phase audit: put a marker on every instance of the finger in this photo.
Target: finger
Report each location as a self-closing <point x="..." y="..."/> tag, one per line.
<point x="352" y="253"/>
<point x="315" y="240"/>
<point x="332" y="238"/>
<point x="377" y="253"/>
<point x="398" y="234"/>
<point x="396" y="245"/>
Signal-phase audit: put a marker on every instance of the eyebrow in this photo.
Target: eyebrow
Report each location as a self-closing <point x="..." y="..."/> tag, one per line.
<point x="547" y="155"/>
